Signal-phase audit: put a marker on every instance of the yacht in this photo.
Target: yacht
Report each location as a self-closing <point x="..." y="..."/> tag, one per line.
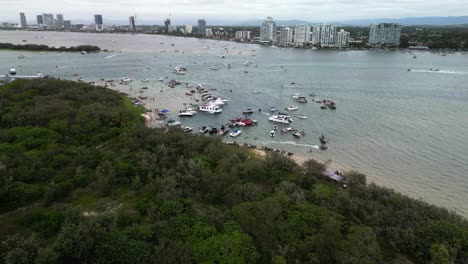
<point x="272" y="109"/>
<point x="248" y="111"/>
<point x="227" y="65"/>
<point x="285" y="119"/>
<point x="84" y="52"/>
<point x="215" y="68"/>
<point x="126" y="79"/>
<point x="161" y="79"/>
<point x="212" y="109"/>
<point x="297" y="134"/>
<point x="188" y="129"/>
<point x="12" y="71"/>
<point x="217" y="102"/>
<point x="301" y="99"/>
<point x="145" y="80"/>
<point x="186" y="113"/>
<point x="173" y="123"/>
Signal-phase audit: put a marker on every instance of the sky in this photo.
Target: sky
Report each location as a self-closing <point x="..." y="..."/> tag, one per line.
<point x="238" y="10"/>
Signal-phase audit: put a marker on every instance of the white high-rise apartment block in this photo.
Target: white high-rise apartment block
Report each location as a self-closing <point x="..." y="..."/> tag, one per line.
<point x="243" y="35"/>
<point x="327" y="36"/>
<point x="301" y="35"/>
<point x="385" y="34"/>
<point x="315" y="38"/>
<point x="268" y="30"/>
<point x="286" y="36"/>
<point x="342" y="39"/>
<point x="209" y="32"/>
<point x="49" y="21"/>
<point x="188" y="29"/>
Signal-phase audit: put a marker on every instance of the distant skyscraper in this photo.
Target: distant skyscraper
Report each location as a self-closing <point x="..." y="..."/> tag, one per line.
<point x="132" y="23"/>
<point x="327" y="35"/>
<point x="385" y="34"/>
<point x="201" y="27"/>
<point x="67" y="24"/>
<point x="188" y="29"/>
<point x="40" y="20"/>
<point x="301" y="35"/>
<point x="286" y="36"/>
<point x="98" y="22"/>
<point x="23" y="20"/>
<point x="342" y="39"/>
<point x="209" y="32"/>
<point x="167" y="23"/>
<point x="49" y="21"/>
<point x="268" y="30"/>
<point x="315" y="38"/>
<point x="243" y="35"/>
<point x="59" y="22"/>
<point x="172" y="29"/>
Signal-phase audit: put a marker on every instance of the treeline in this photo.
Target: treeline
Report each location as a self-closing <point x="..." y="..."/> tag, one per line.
<point x="82" y="180"/>
<point x="37" y="47"/>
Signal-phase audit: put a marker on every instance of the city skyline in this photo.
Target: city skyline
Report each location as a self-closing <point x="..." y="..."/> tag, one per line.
<point x="316" y="10"/>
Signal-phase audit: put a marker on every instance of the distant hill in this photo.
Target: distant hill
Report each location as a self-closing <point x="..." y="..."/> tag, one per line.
<point x="433" y="21"/>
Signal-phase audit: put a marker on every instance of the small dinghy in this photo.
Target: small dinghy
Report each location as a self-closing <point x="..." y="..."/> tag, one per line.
<point x="272" y="133"/>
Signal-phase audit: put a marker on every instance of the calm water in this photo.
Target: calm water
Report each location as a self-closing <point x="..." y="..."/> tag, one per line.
<point x="405" y="130"/>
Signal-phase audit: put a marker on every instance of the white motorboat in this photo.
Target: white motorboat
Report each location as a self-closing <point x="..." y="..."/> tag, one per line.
<point x="186" y="113"/>
<point x="217" y="101"/>
<point x="255" y="92"/>
<point x="222" y="56"/>
<point x="295" y="96"/>
<point x="272" y="109"/>
<point x="126" y="79"/>
<point x="275" y="127"/>
<point x="204" y="129"/>
<point x="302" y="116"/>
<point x="248" y="111"/>
<point x="212" y="109"/>
<point x="84" y="52"/>
<point x="188" y="129"/>
<point x="235" y="133"/>
<point x="227" y="65"/>
<point x="297" y="134"/>
<point x="272" y="133"/>
<point x="12" y="71"/>
<point x="161" y="79"/>
<point x="145" y="80"/>
<point x="215" y="68"/>
<point x="301" y="99"/>
<point x="281" y="119"/>
<point x="173" y="123"/>
<point x="292" y="108"/>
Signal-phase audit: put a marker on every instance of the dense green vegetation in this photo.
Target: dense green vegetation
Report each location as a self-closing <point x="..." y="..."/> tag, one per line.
<point x="83" y="181"/>
<point x="37" y="47"/>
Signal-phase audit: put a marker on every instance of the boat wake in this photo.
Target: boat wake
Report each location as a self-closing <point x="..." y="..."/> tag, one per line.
<point x="293" y="143"/>
<point x="111" y="56"/>
<point x="441" y="71"/>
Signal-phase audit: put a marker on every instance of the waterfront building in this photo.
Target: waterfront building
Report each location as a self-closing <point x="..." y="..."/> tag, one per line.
<point x="188" y="29"/>
<point x="167" y="23"/>
<point x="268" y="31"/>
<point x="131" y="21"/>
<point x="342" y="39"/>
<point x="181" y="30"/>
<point x="98" y="22"/>
<point x="301" y="35"/>
<point x="385" y="34"/>
<point x="23" y="20"/>
<point x="209" y="32"/>
<point x="315" y="35"/>
<point x="243" y="35"/>
<point x="286" y="36"/>
<point x="40" y="20"/>
<point x="67" y="24"/>
<point x="171" y="29"/>
<point x="327" y="36"/>
<point x="49" y="22"/>
<point x="59" y="22"/>
<point x="202" y="27"/>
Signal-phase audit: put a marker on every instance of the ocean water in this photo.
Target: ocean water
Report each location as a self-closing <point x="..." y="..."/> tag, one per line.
<point x="407" y="130"/>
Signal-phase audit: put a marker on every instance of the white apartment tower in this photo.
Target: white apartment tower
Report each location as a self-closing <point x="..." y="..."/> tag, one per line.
<point x="59" y="23"/>
<point x="315" y="38"/>
<point x="286" y="36"/>
<point x="188" y="29"/>
<point x="385" y="34"/>
<point x="342" y="39"/>
<point x="301" y="35"/>
<point x="268" y="30"/>
<point x="327" y="35"/>
<point x="243" y="35"/>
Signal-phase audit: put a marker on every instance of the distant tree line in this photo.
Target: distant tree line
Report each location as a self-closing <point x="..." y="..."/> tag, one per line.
<point x="38" y="47"/>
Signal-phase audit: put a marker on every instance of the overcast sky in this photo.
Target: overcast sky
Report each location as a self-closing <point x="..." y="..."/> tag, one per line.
<point x="238" y="10"/>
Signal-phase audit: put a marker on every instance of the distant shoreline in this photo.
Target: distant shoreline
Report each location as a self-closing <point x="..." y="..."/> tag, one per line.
<point x="40" y="47"/>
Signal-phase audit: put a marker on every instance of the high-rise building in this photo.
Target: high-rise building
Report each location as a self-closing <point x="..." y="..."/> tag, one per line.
<point x="286" y="36"/>
<point x="268" y="30"/>
<point x="49" y="22"/>
<point x="98" y="22"/>
<point x="171" y="29"/>
<point x="131" y="21"/>
<point x="67" y="24"/>
<point x="40" y="20"/>
<point x="167" y="23"/>
<point x="209" y="32"/>
<point x="201" y="29"/>
<point x="327" y="35"/>
<point x="315" y="38"/>
<point x="188" y="29"/>
<point x="59" y="22"/>
<point x="301" y="35"/>
<point x="342" y="39"/>
<point x="385" y="34"/>
<point x="23" y="20"/>
<point x="243" y="35"/>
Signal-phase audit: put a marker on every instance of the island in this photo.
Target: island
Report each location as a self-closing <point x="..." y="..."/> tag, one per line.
<point x="38" y="47"/>
<point x="83" y="180"/>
